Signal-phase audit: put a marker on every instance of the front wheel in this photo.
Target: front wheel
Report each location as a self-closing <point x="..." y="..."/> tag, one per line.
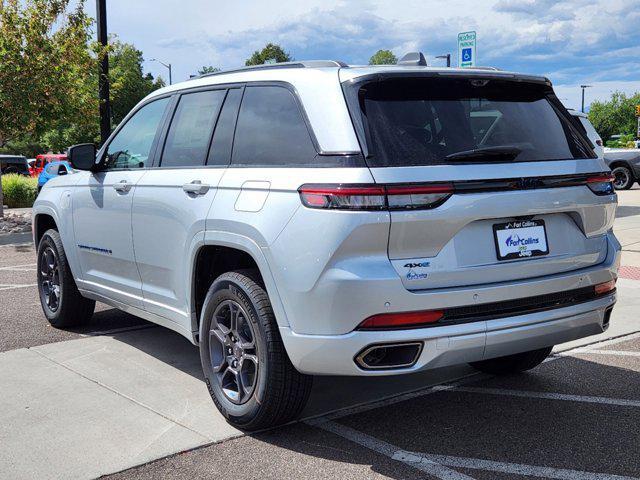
<point x="62" y="303"/>
<point x="248" y="373"/>
<point x="517" y="363"/>
<point x="623" y="178"/>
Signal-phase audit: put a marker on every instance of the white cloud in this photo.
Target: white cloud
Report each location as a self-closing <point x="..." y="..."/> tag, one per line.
<point x="572" y="42"/>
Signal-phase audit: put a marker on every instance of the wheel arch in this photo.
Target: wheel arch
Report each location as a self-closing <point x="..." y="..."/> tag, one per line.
<point x="41" y="223"/>
<point x="218" y="253"/>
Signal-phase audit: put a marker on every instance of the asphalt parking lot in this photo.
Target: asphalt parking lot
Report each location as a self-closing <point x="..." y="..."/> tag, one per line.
<point x="125" y="399"/>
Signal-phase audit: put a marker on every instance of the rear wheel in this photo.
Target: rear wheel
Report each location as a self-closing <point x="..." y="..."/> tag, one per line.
<point x="623" y="177"/>
<point x="517" y="363"/>
<point x="61" y="301"/>
<point x="249" y="375"/>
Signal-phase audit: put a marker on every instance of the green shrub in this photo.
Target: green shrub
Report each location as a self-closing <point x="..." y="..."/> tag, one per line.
<point x="18" y="190"/>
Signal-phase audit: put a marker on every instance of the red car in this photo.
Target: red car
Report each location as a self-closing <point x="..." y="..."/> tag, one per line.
<point x="43" y="159"/>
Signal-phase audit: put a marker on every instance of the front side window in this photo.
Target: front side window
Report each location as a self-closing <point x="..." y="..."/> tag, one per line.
<point x="131" y="147"/>
<point x="271" y="130"/>
<point x="191" y="128"/>
<point x="426" y="121"/>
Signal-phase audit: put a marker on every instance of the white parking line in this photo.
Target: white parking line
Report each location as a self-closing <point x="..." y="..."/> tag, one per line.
<point x="10" y="287"/>
<point x="505" y="467"/>
<point x="623" y="353"/>
<point x="545" y="395"/>
<point x="27" y="267"/>
<point x="432" y="468"/>
<point x="441" y="466"/>
<point x="604" y="343"/>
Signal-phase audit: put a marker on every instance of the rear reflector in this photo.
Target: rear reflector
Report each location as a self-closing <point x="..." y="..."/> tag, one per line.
<point x="401" y="320"/>
<point x="605" y="287"/>
<point x="375" y="197"/>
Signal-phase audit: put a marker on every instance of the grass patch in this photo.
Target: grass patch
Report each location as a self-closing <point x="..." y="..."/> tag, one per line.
<point x="19" y="191"/>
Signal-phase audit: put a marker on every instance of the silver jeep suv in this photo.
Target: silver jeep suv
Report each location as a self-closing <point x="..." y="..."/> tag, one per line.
<point x="313" y="218"/>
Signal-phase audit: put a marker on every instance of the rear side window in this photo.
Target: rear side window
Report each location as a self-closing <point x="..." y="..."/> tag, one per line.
<point x="271" y="130"/>
<point x="191" y="128"/>
<point x="426" y="121"/>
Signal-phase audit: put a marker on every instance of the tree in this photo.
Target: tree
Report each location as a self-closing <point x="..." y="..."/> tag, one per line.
<point x="269" y="53"/>
<point x="616" y="116"/>
<point x="44" y="67"/>
<point x="128" y="83"/>
<point x="383" y="57"/>
<point x="208" y="69"/>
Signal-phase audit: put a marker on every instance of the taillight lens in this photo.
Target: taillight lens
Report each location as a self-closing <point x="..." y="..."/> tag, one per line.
<point x="601" y="184"/>
<point x="605" y="287"/>
<point x="374" y="197"/>
<point x="401" y="320"/>
<point x="343" y="197"/>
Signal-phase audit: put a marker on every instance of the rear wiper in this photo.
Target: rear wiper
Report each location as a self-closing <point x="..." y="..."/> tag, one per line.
<point x="507" y="153"/>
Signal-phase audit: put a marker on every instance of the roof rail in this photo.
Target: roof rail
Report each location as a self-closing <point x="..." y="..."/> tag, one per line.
<point x="494" y="69"/>
<point x="273" y="66"/>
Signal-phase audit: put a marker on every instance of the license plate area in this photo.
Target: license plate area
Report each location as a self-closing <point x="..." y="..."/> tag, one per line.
<point x="520" y="239"/>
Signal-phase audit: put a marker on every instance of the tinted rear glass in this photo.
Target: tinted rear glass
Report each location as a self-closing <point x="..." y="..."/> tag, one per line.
<point x="271" y="130"/>
<point x="422" y="121"/>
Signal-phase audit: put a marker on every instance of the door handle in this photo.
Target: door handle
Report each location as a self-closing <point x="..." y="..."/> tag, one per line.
<point x="122" y="186"/>
<point x="196" y="187"/>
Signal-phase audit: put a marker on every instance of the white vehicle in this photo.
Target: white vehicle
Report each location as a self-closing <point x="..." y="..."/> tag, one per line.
<point x="313" y="218"/>
<point x="590" y="132"/>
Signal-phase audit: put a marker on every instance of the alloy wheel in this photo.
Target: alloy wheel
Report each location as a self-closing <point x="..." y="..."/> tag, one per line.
<point x="233" y="351"/>
<point x="50" y="279"/>
<point x="621" y="178"/>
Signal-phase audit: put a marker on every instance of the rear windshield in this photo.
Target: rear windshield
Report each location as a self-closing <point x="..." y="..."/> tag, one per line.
<point x="427" y="121"/>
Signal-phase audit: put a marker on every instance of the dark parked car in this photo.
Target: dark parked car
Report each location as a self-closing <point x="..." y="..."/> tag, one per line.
<point x="625" y="166"/>
<point x="14" y="164"/>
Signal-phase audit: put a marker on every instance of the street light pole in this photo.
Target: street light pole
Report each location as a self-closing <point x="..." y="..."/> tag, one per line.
<point x="167" y="65"/>
<point x="448" y="57"/>
<point x="103" y="78"/>
<point x="583" y="87"/>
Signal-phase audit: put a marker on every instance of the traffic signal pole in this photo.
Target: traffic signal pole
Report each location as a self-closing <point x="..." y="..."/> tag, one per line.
<point x="103" y="79"/>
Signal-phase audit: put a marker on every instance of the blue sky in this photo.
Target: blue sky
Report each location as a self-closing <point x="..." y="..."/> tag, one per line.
<point x="572" y="42"/>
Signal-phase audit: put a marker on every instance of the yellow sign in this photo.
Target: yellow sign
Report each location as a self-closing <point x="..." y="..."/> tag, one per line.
<point x="637" y="110"/>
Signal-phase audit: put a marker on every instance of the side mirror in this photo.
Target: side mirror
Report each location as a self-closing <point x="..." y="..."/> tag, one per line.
<point x="82" y="156"/>
<point x="62" y="170"/>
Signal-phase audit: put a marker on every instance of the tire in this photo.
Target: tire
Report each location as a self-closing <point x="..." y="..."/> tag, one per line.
<point x="62" y="304"/>
<point x="623" y="177"/>
<point x="275" y="392"/>
<point x="517" y="363"/>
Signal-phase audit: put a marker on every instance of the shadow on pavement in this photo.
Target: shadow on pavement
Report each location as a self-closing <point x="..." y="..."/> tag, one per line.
<point x="328" y="393"/>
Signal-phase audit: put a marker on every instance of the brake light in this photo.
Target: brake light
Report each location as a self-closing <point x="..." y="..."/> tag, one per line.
<point x="374" y="197"/>
<point x="601" y="184"/>
<point x="606" y="287"/>
<point x="401" y="320"/>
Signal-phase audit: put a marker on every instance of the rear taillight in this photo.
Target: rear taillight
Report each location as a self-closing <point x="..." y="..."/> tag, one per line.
<point x="606" y="287"/>
<point x="375" y="197"/>
<point x="601" y="184"/>
<point x="401" y="320"/>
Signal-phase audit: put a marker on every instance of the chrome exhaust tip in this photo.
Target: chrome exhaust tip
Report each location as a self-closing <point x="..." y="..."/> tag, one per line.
<point x="388" y="356"/>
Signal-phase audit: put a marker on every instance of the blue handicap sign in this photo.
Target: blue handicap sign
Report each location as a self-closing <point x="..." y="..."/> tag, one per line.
<point x="466" y="54"/>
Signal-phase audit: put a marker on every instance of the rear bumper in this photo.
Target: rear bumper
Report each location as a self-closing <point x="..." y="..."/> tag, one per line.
<point x="449" y="345"/>
<point x="333" y="353"/>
